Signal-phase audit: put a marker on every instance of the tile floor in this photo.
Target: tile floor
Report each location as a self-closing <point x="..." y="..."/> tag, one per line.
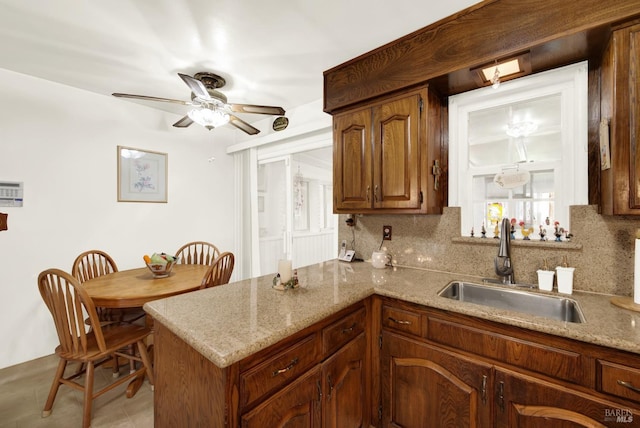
<point x="24" y="389"/>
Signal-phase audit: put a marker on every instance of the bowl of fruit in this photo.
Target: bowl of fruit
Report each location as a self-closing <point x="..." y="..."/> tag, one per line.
<point x="161" y="264"/>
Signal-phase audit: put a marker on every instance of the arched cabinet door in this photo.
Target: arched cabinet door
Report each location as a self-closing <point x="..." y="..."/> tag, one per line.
<point x="524" y="401"/>
<point x="426" y="387"/>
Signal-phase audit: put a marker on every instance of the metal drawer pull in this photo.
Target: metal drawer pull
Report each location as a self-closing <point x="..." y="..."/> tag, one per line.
<point x="350" y="329"/>
<point x="286" y="369"/>
<point x="403" y="322"/>
<point x="628" y="385"/>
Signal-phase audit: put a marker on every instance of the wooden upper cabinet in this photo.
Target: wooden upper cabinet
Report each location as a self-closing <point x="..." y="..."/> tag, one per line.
<point x="352" y="161"/>
<point x="620" y="104"/>
<point x="396" y="153"/>
<point x="382" y="153"/>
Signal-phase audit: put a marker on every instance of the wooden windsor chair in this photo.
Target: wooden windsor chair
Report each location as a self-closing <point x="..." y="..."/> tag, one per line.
<point x="88" y="342"/>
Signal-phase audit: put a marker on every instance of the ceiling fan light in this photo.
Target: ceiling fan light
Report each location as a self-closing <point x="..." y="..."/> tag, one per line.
<point x="209" y="118"/>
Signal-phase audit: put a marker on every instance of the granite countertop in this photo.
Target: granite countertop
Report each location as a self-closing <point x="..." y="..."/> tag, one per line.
<point x="230" y="322"/>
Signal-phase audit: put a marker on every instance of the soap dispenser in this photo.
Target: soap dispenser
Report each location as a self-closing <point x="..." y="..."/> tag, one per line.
<point x="565" y="277"/>
<point x="545" y="277"/>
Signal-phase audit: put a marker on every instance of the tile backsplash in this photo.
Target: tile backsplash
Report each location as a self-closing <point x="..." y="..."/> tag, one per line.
<point x="601" y="249"/>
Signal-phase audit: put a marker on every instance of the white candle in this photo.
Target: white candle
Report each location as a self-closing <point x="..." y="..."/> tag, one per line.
<point x="636" y="272"/>
<point x="284" y="269"/>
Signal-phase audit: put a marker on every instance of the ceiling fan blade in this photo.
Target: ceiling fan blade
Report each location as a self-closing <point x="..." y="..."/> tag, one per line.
<point x="242" y="125"/>
<point x="184" y="122"/>
<point x="147" y="98"/>
<point x="196" y="86"/>
<point x="250" y="108"/>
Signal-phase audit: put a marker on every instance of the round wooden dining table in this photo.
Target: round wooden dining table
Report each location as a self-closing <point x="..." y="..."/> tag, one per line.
<point x="135" y="287"/>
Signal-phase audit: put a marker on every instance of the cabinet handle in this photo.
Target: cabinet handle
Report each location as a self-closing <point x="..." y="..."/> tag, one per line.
<point x="628" y="385"/>
<point x="350" y="329"/>
<point x="286" y="369"/>
<point x="375" y="193"/>
<point x="403" y="322"/>
<point x="501" y="396"/>
<point x="319" y="390"/>
<point x="330" y="382"/>
<point x="368" y="188"/>
<point x="484" y="389"/>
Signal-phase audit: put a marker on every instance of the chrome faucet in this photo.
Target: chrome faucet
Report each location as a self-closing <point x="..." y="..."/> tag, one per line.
<point x="503" y="265"/>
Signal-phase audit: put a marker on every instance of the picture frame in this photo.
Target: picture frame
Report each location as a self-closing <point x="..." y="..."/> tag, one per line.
<point x="142" y="175"/>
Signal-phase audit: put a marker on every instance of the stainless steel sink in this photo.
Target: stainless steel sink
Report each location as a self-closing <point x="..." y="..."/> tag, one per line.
<point x="555" y="307"/>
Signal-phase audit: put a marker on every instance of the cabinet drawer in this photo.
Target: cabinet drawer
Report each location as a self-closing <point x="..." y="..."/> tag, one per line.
<point x="537" y="357"/>
<point x="403" y="320"/>
<point x="278" y="370"/>
<point x="618" y="380"/>
<point x="342" y="331"/>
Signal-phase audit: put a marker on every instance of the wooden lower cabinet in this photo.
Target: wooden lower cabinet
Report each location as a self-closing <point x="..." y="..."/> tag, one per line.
<point x="428" y="368"/>
<point x="332" y="394"/>
<point x="296" y="406"/>
<point x="345" y="389"/>
<point x="525" y="401"/>
<point x="318" y="377"/>
<point x="426" y="387"/>
<point x="452" y="370"/>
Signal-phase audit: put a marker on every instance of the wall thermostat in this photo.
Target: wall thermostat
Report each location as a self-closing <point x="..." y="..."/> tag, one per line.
<point x="11" y="193"/>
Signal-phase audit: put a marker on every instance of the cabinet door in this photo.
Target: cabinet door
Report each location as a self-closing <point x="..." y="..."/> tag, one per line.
<point x="352" y="161"/>
<point x="524" y="401"/>
<point x="634" y="117"/>
<point x="423" y="386"/>
<point x="295" y="406"/>
<point x="620" y="103"/>
<point x="344" y="386"/>
<point x="396" y="153"/>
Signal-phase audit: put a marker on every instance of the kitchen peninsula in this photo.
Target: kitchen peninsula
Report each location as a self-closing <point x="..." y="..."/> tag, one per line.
<point x="215" y="349"/>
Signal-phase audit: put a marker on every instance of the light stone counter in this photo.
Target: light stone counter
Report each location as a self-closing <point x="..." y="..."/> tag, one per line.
<point x="228" y="323"/>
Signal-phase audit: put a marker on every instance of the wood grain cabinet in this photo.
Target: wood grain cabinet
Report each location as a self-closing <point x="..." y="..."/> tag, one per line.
<point x="526" y="401"/>
<point x="329" y="395"/>
<point x="457" y="370"/>
<point x="620" y="105"/>
<point x="385" y="155"/>
<point x="319" y="377"/>
<point x="297" y="405"/>
<point x="423" y="386"/>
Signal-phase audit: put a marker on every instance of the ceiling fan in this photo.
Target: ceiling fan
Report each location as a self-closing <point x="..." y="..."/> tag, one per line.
<point x="210" y="107"/>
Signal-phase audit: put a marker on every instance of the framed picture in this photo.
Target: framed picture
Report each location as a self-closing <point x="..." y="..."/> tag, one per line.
<point x="142" y="175"/>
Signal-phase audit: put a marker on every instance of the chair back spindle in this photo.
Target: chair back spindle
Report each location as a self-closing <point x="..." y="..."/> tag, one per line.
<point x="92" y="264"/>
<point x="198" y="253"/>
<point x="220" y="271"/>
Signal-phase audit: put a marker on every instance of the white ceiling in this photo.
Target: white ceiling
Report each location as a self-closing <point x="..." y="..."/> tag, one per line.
<point x="270" y="52"/>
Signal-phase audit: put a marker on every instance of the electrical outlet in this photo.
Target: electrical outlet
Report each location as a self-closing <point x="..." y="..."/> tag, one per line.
<point x="386" y="233"/>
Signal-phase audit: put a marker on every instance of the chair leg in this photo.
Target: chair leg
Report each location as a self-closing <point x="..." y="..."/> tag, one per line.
<point x="142" y="349"/>
<point x="62" y="365"/>
<point x="132" y="363"/>
<point x="88" y="396"/>
<point x="116" y="367"/>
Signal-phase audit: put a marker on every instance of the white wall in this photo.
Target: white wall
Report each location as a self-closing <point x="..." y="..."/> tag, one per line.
<point x="61" y="142"/>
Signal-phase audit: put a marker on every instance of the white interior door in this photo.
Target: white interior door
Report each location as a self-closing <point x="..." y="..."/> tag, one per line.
<point x="274" y="212"/>
<point x="292" y="214"/>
